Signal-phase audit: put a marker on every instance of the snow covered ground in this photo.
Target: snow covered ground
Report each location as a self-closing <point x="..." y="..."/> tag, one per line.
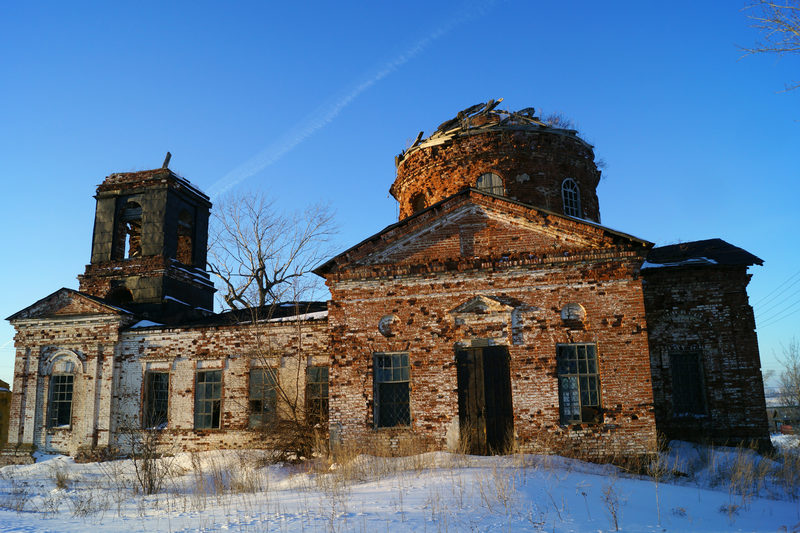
<point x="723" y="489"/>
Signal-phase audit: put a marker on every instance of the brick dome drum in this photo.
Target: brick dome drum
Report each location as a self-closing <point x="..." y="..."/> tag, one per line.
<point x="511" y="154"/>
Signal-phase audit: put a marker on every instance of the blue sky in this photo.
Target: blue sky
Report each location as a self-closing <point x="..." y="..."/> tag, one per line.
<point x="311" y="101"/>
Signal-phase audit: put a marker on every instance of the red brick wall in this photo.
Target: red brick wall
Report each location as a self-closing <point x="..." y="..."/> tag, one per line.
<point x="706" y="309"/>
<point x="532" y="164"/>
<point x="611" y="293"/>
<point x="107" y="390"/>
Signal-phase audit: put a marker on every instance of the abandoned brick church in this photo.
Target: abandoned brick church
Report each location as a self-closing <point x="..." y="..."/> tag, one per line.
<point x="497" y="311"/>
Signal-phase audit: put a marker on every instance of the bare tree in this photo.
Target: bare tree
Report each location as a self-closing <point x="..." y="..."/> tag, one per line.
<point x="779" y="25"/>
<point x="789" y="379"/>
<point x="264" y="259"/>
<point x="260" y="253"/>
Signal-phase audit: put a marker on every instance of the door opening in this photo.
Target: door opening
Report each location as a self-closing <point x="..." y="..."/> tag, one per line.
<point x="485" y="412"/>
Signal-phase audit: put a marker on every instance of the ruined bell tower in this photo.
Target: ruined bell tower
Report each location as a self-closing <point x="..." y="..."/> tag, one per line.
<point x="149" y="246"/>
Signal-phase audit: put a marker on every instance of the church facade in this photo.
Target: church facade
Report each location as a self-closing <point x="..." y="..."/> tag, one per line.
<point x="497" y="313"/>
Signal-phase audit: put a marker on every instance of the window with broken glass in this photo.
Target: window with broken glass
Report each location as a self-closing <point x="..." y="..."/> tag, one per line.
<point x="317" y="395"/>
<point x="156" y="400"/>
<point x="392" y="376"/>
<point x="263" y="396"/>
<point x="578" y="383"/>
<point x="208" y="399"/>
<point x="687" y="384"/>
<point x="571" y="196"/>
<point x="60" y="408"/>
<point x="491" y="183"/>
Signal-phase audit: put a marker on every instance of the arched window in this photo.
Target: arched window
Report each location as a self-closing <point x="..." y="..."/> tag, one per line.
<point x="417" y="203"/>
<point x="129" y="231"/>
<point x="491" y="183"/>
<point x="185" y="234"/>
<point x="60" y="395"/>
<point x="120" y="296"/>
<point x="571" y="196"/>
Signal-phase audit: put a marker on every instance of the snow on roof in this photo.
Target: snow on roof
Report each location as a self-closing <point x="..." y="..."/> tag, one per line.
<point x="145" y="324"/>
<point x="317" y="315"/>
<point x="686" y="262"/>
<point x="176" y="300"/>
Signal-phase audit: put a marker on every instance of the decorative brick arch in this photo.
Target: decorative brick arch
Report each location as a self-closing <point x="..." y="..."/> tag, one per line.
<point x="78" y="362"/>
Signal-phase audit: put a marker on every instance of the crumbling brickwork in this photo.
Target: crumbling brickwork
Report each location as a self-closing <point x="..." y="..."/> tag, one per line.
<point x="704" y="310"/>
<point x="531" y="163"/>
<point x="162" y="278"/>
<point x="108" y="361"/>
<point x="287" y="347"/>
<point x="81" y="335"/>
<point x="530" y="263"/>
<point x="497" y="312"/>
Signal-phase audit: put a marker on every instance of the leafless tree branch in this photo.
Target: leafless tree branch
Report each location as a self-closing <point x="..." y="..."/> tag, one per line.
<point x="789" y="379"/>
<point x="258" y="252"/>
<point x="779" y="25"/>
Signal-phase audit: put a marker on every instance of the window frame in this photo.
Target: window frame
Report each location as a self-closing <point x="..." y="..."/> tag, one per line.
<point x="394" y="380"/>
<point x="581" y="390"/>
<point x="497" y="186"/>
<point x="571" y="198"/>
<point x="317" y="397"/>
<point x="147" y="401"/>
<point x="261" y="395"/>
<point x="54" y="406"/>
<point x="699" y="383"/>
<point x="214" y="402"/>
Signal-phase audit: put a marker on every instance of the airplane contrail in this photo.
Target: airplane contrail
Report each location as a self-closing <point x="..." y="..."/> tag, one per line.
<point x="325" y="115"/>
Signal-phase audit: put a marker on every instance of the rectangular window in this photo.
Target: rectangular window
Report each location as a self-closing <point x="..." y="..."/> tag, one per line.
<point x="578" y="383"/>
<point x="263" y="396"/>
<point x="317" y="395"/>
<point x="392" y="390"/>
<point x="60" y="409"/>
<point x="156" y="395"/>
<point x="208" y="399"/>
<point x="687" y="384"/>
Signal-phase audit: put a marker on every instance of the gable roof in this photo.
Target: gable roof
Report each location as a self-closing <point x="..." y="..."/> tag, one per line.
<point x="68" y="302"/>
<point x="428" y="216"/>
<point x="707" y="252"/>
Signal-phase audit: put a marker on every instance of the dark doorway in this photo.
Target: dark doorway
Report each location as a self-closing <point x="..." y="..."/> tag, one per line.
<point x="484" y="400"/>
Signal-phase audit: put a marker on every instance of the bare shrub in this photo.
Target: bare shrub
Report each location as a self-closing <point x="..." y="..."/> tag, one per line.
<point x="613" y="503"/>
<point x="658" y="467"/>
<point x="61" y="478"/>
<point x="786" y="472"/>
<point x="18" y="496"/>
<point x="153" y="469"/>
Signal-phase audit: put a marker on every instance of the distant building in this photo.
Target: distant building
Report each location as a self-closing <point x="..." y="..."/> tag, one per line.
<point x="496" y="311"/>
